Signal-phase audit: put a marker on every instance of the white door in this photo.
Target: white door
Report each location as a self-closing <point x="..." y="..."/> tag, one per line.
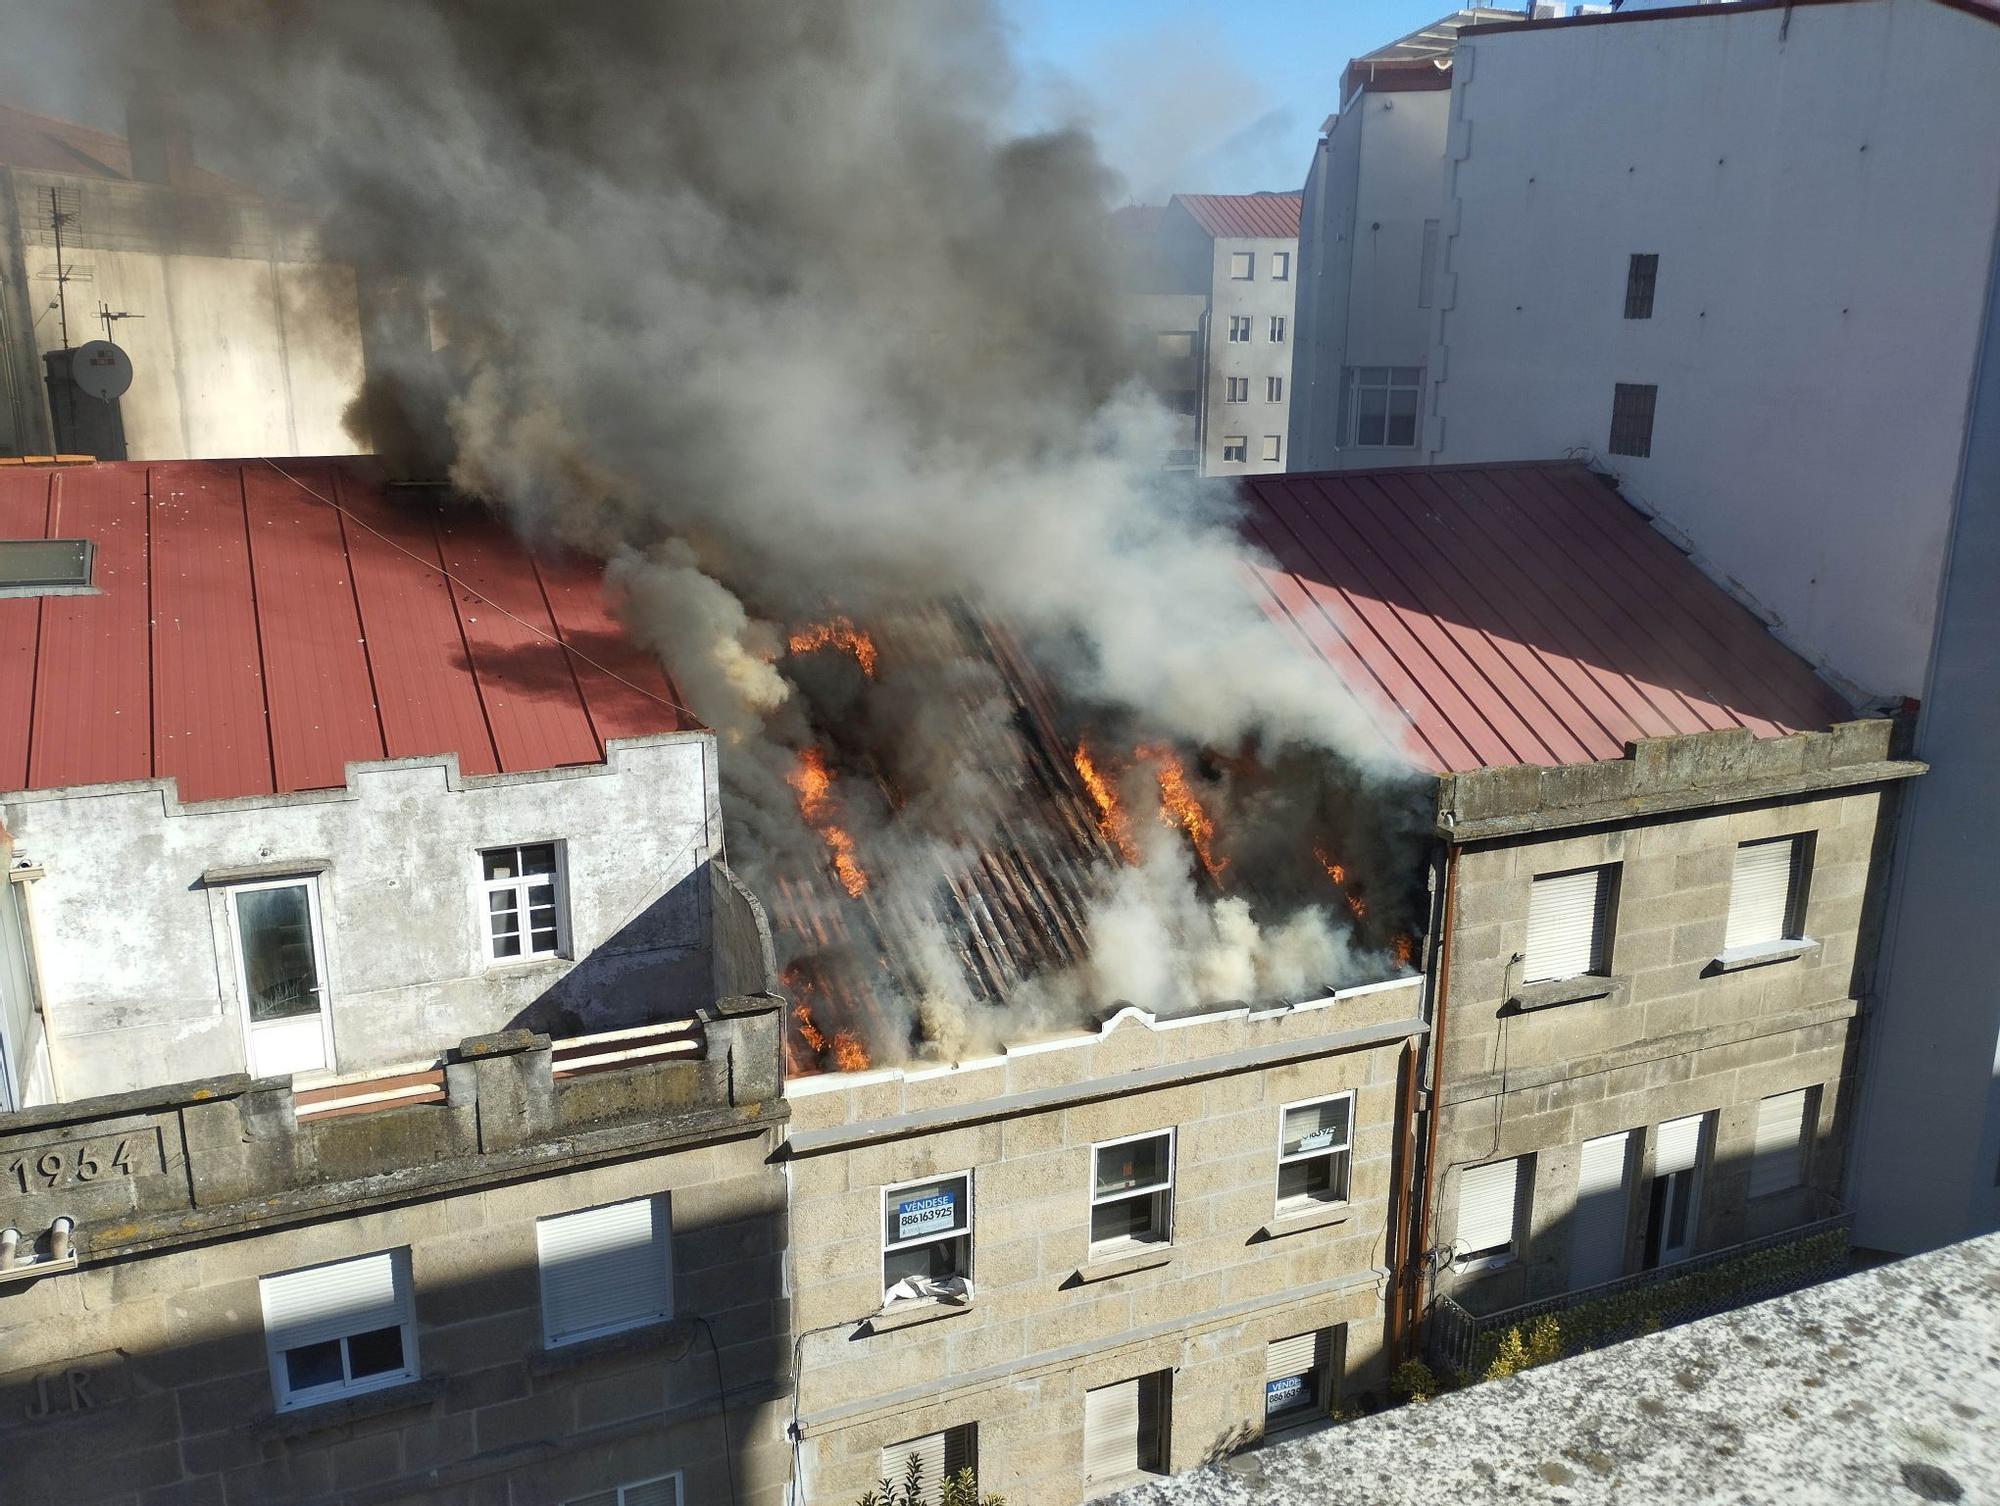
<point x="1597" y="1238"/>
<point x="281" y="977"/>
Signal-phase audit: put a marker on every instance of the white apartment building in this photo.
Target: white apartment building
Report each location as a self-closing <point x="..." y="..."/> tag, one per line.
<point x="1742" y="258"/>
<point x="1215" y="299"/>
<point x="1368" y="243"/>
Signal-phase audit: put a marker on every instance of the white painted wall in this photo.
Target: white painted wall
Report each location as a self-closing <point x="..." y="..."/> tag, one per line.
<point x="1821" y="186"/>
<point x="136" y="962"/>
<point x="1379" y="177"/>
<point x="1260" y="297"/>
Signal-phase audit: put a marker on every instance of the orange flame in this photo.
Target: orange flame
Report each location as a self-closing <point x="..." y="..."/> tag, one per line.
<point x="1404" y="950"/>
<point x="808" y="1031"/>
<point x="849" y="1055"/>
<point x="836" y="633"/>
<point x="1333" y="870"/>
<point x="813" y="784"/>
<point x="1112" y="823"/>
<point x="1178" y="807"/>
<point x="1356" y="905"/>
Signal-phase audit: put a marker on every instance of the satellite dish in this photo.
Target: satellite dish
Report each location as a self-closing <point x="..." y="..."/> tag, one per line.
<point x="102" y="370"/>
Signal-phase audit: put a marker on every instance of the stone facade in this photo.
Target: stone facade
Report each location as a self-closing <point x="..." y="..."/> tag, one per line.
<point x="1046" y="1321"/>
<point x="138" y="981"/>
<point x="1671" y="1027"/>
<point x="140" y="1374"/>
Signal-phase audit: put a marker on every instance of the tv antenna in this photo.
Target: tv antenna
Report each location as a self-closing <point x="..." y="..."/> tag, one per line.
<point x="59" y="217"/>
<point x="107" y="315"/>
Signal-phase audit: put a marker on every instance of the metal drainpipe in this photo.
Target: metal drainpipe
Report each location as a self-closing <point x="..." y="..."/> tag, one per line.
<point x="1421" y="1241"/>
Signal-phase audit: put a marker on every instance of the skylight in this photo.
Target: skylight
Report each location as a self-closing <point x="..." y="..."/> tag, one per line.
<point x="34" y="567"/>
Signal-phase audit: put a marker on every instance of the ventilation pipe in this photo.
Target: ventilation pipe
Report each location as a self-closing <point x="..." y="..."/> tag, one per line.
<point x="10" y="1242"/>
<point x="59" y="1233"/>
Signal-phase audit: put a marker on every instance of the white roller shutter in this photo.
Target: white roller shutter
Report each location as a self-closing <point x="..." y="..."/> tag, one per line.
<point x="1111" y="1432"/>
<point x="1678" y="1146"/>
<point x="1760" y="892"/>
<point x="604" y="1269"/>
<point x="1597" y="1243"/>
<point x="665" y="1491"/>
<point x="1297" y="1355"/>
<point x="332" y="1301"/>
<point x="1776" y="1161"/>
<point x="1565" y="913"/>
<point x="1486" y="1205"/>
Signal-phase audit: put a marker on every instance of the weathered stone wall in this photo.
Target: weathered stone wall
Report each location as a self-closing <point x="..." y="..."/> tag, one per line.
<point x="1670" y="1034"/>
<point x="141" y="1377"/>
<point x="1046" y="1322"/>
<point x="139" y="980"/>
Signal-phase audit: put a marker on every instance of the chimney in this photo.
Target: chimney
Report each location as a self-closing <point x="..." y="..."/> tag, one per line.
<point x="157" y="129"/>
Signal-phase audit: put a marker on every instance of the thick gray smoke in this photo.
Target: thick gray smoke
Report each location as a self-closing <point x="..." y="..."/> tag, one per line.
<point x="756" y="300"/>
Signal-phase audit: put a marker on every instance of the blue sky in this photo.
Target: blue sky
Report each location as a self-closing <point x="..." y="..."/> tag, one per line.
<point x="1200" y="96"/>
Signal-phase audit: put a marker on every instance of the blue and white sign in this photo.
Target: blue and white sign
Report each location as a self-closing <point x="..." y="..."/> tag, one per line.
<point x="1317" y="1140"/>
<point x="1284" y="1393"/>
<point x="935" y="1214"/>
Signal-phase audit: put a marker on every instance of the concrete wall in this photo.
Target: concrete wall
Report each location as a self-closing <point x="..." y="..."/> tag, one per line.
<point x="1377" y="177"/>
<point x="138" y="978"/>
<point x="1260" y="297"/>
<point x="1046" y="1322"/>
<point x="1928" y="1152"/>
<point x="162" y="1320"/>
<point x="248" y="343"/>
<point x="1668" y="1034"/>
<point x="1820" y="184"/>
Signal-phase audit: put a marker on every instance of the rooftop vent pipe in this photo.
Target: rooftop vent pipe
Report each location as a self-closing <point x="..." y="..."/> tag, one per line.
<point x="10" y="1241"/>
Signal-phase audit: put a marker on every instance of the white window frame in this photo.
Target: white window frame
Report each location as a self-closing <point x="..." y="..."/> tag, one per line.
<point x="1274" y="389"/>
<point x="1276" y="334"/>
<point x="482" y="905"/>
<point x="1240" y="443"/>
<point x="915" y="1241"/>
<point x="1306" y="1202"/>
<point x="1274" y="448"/>
<point x="1236" y="389"/>
<point x="1125" y="1244"/>
<point x="1281" y="266"/>
<point x="615" y="1495"/>
<point x="1247" y="260"/>
<point x="1329" y="1349"/>
<point x="1496" y="1256"/>
<point x="310" y="883"/>
<point x="1389" y="386"/>
<point x="1239" y="329"/>
<point x="288" y="1400"/>
<point x="659" y="1205"/>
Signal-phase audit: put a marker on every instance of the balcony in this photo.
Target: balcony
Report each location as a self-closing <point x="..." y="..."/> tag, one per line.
<point x="1461" y="1344"/>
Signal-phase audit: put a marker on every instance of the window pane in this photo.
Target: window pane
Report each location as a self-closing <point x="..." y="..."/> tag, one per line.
<point x="1406" y="376"/>
<point x="1371" y="418"/>
<point x="1136" y="1163"/>
<point x="376" y="1352"/>
<point x="275" y="929"/>
<point x="935" y="1261"/>
<point x="1316" y="1126"/>
<point x="1129" y="1218"/>
<point x="1311" y="1178"/>
<point x="313" y="1365"/>
<point x="1402" y="416"/>
<point x="1373" y="376"/>
<point x="912" y="1212"/>
<point x="540" y="858"/>
<point x="501" y="863"/>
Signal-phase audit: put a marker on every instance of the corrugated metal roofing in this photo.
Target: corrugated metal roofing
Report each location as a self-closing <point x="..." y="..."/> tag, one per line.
<point x="1517" y="614"/>
<point x="245" y="637"/>
<point x="1226" y="215"/>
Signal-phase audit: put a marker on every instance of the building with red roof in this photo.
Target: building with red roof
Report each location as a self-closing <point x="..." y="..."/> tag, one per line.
<point x="373" y="705"/>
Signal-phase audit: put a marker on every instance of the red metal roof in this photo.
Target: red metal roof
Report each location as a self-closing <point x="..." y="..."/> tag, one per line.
<point x="1243" y="214"/>
<point x="44" y="144"/>
<point x="246" y="637"/>
<point x="1517" y="614"/>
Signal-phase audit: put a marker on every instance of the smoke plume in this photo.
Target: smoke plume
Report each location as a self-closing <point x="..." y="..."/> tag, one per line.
<point x="759" y="303"/>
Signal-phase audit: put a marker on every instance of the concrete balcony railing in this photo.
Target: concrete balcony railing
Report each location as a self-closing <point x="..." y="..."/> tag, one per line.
<point x="1462" y="1344"/>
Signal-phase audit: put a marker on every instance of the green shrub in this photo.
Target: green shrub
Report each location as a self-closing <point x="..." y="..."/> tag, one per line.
<point x="961" y="1489"/>
<point x="1413" y="1381"/>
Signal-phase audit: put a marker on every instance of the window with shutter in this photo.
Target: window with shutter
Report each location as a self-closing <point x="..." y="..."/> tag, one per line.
<point x="1566" y="925"/>
<point x="1123" y="1429"/>
<point x="605" y="1269"/>
<point x="1777" y="1158"/>
<point x="337" y="1329"/>
<point x="665" y="1490"/>
<point x="940" y="1457"/>
<point x="1760" y="893"/>
<point x="1313" y="1144"/>
<point x="1131" y="1193"/>
<point x="926" y="1235"/>
<point x="1603" y="1207"/>
<point x="1297" y="1374"/>
<point x="1488" y="1212"/>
